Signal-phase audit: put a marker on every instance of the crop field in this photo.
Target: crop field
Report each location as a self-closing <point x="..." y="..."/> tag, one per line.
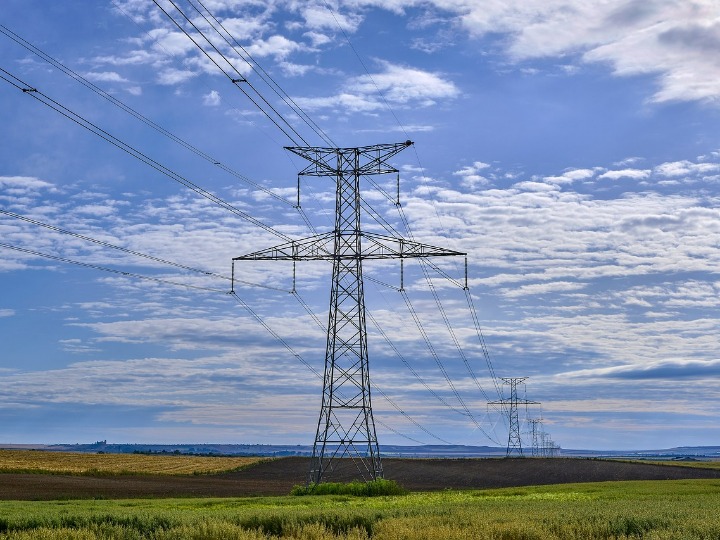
<point x="686" y="509"/>
<point x="85" y="496"/>
<point x="25" y="461"/>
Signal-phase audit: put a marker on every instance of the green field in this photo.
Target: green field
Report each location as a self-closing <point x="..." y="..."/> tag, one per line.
<point x="618" y="510"/>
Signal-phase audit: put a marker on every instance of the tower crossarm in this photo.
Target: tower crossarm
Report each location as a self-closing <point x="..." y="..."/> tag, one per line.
<point x="518" y="401"/>
<point x="314" y="248"/>
<point x="370" y="159"/>
<point x="378" y="246"/>
<point x="374" y="246"/>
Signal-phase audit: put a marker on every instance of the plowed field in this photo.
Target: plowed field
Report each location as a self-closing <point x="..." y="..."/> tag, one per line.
<point x="278" y="476"/>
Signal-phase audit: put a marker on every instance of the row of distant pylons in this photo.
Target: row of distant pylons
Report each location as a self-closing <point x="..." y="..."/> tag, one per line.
<point x="541" y="445"/>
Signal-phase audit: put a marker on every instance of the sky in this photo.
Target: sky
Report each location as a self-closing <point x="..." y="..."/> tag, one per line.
<point x="569" y="147"/>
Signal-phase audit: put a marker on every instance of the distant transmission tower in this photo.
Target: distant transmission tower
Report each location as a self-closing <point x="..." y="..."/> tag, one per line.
<point x="535" y="430"/>
<point x="514" y="446"/>
<point x="346" y="428"/>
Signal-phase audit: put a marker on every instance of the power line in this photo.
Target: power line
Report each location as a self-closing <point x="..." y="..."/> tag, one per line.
<point x="132" y="252"/>
<point x="205" y="289"/>
<point x="415" y="374"/>
<point x="454" y="338"/>
<point x="368" y="207"/>
<point x="147" y="121"/>
<point x="260" y="71"/>
<point x="106" y="269"/>
<point x="471" y="306"/>
<point x="126" y="108"/>
<point x="235" y="80"/>
<point x="116" y="142"/>
<point x="352" y="47"/>
<point x="33" y="90"/>
<point x="137" y="154"/>
<point x="397" y="203"/>
<point x="440" y="365"/>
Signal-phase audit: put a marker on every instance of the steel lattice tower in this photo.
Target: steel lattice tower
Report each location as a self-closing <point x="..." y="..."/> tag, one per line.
<point x="514" y="446"/>
<point x="346" y="428"/>
<point x="535" y="426"/>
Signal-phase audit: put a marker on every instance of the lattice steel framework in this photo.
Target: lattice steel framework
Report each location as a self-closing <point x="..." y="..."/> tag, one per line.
<point x="346" y="428"/>
<point x="514" y="446"/>
<point x="535" y="429"/>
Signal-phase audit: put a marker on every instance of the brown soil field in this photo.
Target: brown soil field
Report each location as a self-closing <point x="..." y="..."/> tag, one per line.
<point x="277" y="477"/>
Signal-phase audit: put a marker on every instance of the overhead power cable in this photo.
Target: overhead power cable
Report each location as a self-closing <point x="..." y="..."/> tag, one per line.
<point x="133" y="252"/>
<point x="352" y="47"/>
<point x="137" y="154"/>
<point x="145" y="120"/>
<point x="106" y="269"/>
<point x="21" y="85"/>
<point x="238" y="80"/>
<point x="481" y="339"/>
<point x="259" y="70"/>
<point x="213" y="290"/>
<point x="150" y="123"/>
<point x="453" y="336"/>
<point x="415" y="374"/>
<point x="274" y="334"/>
<point x="435" y="267"/>
<point x="440" y="365"/>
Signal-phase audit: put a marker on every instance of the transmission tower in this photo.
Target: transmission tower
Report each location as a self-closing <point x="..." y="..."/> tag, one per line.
<point x="346" y="429"/>
<point x="514" y="446"/>
<point x="535" y="429"/>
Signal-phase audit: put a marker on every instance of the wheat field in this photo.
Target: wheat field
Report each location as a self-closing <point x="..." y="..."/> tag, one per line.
<point x="29" y="461"/>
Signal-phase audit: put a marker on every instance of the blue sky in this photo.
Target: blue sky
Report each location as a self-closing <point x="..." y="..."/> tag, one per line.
<point x="570" y="148"/>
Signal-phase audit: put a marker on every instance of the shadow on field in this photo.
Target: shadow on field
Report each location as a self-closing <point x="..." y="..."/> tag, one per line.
<point x="277" y="477"/>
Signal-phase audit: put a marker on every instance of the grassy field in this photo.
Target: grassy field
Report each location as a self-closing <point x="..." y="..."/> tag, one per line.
<point x="685" y="509"/>
<point x="27" y="461"/>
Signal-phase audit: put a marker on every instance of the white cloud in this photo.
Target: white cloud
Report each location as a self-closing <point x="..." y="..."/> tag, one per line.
<point x="543" y="288"/>
<point x="97" y="210"/>
<point x="7" y="312"/>
<point x="318" y="39"/>
<point x="320" y="17"/>
<point x="636" y="174"/>
<point x="22" y="185"/>
<point x="675" y="40"/>
<point x="246" y="27"/>
<point x="172" y="76"/>
<point x="278" y="46"/>
<point x="211" y="99"/>
<point x="470" y="174"/>
<point x="295" y="70"/>
<point x="401" y="86"/>
<point x="105" y="76"/>
<point x="684" y="168"/>
<point x="570" y="176"/>
<point x="672" y="369"/>
<point x="173" y="43"/>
